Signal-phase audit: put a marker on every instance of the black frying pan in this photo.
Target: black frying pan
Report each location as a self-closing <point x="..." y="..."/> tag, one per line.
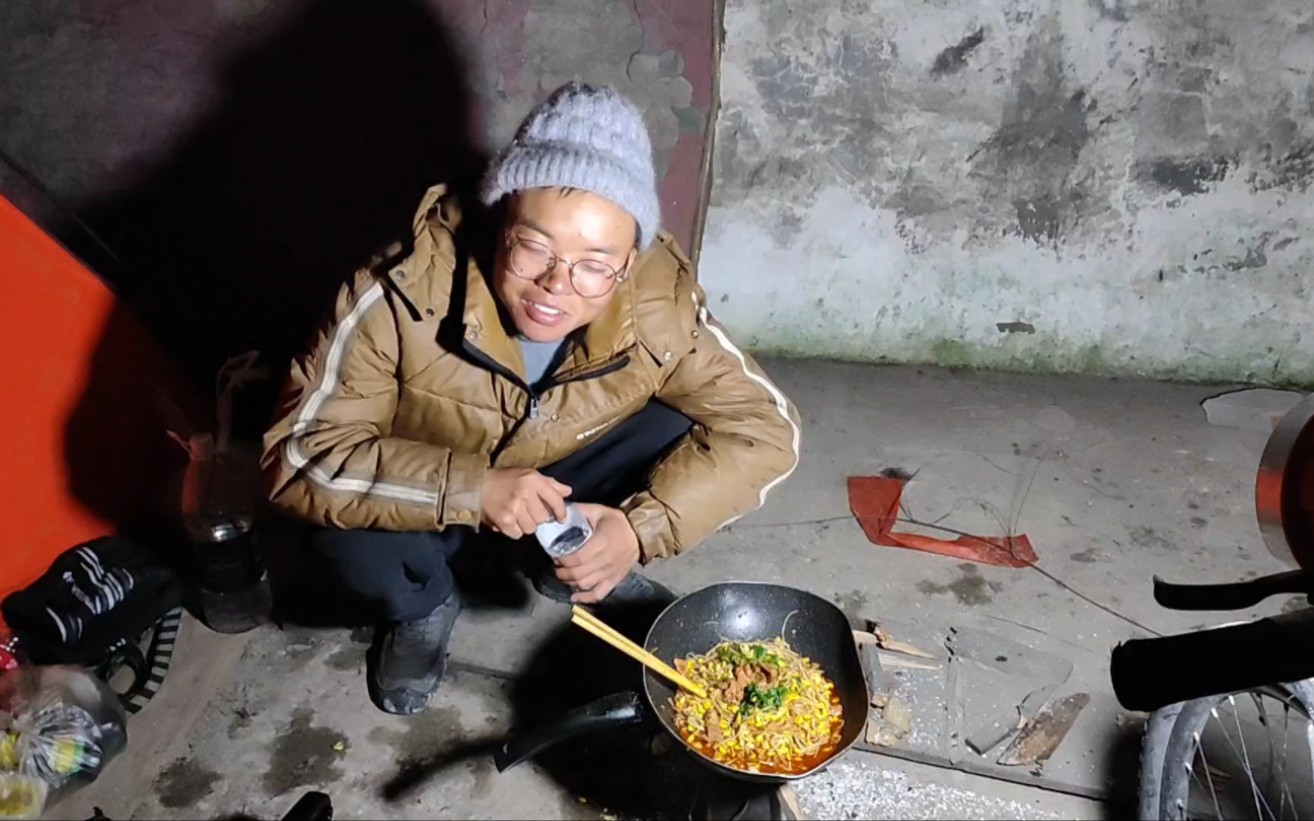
<point x="694" y="624"/>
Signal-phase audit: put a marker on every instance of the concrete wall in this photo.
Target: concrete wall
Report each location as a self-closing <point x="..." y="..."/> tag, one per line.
<point x="242" y="157"/>
<point x="1103" y="185"/>
<point x="1113" y="186"/>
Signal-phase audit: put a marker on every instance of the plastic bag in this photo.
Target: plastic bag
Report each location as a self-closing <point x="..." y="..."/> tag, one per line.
<point x="22" y="796"/>
<point x="62" y="726"/>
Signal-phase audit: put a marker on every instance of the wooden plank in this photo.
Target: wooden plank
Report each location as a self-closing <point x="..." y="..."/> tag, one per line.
<point x="1043" y="734"/>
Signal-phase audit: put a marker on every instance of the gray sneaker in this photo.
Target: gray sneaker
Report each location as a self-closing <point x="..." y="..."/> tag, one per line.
<point x="408" y="660"/>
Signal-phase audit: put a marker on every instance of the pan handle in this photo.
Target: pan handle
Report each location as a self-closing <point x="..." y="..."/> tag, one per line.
<point x="614" y="710"/>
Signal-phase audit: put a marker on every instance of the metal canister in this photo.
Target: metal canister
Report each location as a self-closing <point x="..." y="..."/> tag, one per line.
<point x="563" y="538"/>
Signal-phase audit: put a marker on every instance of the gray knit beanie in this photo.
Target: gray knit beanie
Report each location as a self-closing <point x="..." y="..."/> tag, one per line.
<point x="586" y="137"/>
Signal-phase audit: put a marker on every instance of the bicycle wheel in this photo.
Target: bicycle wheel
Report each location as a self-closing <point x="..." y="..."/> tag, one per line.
<point x="1158" y="729"/>
<point x="1244" y="755"/>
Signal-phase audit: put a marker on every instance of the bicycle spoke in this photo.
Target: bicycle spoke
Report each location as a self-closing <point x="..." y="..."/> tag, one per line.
<point x="1250" y="772"/>
<point x="1280" y="764"/>
<point x="1258" y="699"/>
<point x="1218" y="792"/>
<point x="1260" y="803"/>
<point x="1209" y="777"/>
<point x="1277" y="771"/>
<point x="1245" y="754"/>
<point x="1309" y="746"/>
<point x="1285" y="792"/>
<point x="1287" y="738"/>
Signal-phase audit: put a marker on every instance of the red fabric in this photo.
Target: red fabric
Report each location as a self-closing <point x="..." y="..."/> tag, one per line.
<point x="85" y="450"/>
<point x="874" y="501"/>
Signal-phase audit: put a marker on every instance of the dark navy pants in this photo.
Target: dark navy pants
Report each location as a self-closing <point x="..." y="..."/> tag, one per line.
<point x="403" y="576"/>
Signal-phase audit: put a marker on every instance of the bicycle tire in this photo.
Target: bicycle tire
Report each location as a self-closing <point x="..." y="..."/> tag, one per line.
<point x="1170" y="745"/>
<point x="1158" y="729"/>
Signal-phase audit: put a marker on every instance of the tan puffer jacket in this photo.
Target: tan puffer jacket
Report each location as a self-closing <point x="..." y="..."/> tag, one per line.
<point x="382" y="425"/>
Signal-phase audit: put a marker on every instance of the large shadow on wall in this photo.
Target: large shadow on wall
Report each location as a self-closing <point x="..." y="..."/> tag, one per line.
<point x="324" y="138"/>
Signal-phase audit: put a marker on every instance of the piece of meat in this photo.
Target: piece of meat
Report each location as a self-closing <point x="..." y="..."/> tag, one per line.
<point x="714" y="732"/>
<point x="734" y="691"/>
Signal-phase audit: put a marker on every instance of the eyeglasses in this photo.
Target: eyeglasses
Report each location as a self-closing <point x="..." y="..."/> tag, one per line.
<point x="532" y="260"/>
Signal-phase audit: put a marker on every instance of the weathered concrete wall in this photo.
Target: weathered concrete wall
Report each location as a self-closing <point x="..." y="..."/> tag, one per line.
<point x="1117" y="186"/>
<point x="242" y="156"/>
<point x="95" y="93"/>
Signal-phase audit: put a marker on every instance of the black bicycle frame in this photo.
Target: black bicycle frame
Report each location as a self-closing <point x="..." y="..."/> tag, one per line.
<point x="1152" y="673"/>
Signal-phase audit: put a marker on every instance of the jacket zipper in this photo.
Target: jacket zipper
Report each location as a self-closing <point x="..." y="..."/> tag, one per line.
<point x="495" y="366"/>
<point x="533" y="395"/>
<point x="532" y="408"/>
<point x="610" y="368"/>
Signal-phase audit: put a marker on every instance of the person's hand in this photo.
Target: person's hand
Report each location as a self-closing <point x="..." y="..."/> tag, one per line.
<point x="517" y="500"/>
<point x="606" y="558"/>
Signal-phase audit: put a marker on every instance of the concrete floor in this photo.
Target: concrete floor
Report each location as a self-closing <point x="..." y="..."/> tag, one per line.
<point x="1114" y="481"/>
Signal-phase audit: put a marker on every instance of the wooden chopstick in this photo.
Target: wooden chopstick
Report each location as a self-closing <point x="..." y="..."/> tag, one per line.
<point x="640" y="655"/>
<point x="591" y="623"/>
<point x="577" y="612"/>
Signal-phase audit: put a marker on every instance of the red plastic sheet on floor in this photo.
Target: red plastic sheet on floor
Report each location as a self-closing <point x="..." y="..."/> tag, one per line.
<point x="874" y="501"/>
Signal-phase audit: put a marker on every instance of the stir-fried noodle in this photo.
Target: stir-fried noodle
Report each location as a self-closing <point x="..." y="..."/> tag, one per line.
<point x="768" y="709"/>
